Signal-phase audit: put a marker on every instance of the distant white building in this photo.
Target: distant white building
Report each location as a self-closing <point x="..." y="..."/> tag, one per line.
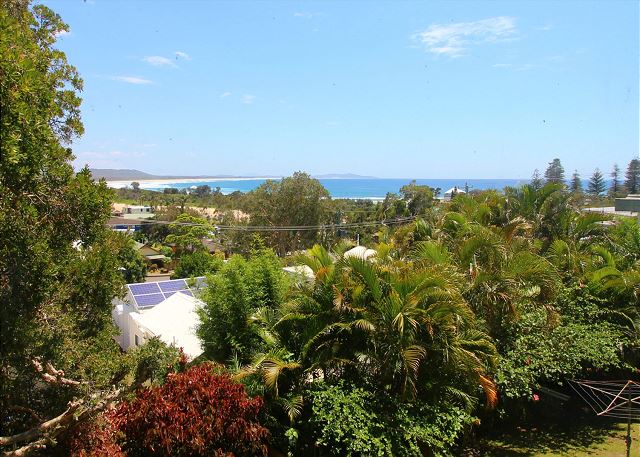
<point x="448" y="195"/>
<point x="166" y="310"/>
<point x="137" y="209"/>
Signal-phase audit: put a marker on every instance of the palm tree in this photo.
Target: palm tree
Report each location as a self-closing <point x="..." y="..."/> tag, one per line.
<point x="387" y="322"/>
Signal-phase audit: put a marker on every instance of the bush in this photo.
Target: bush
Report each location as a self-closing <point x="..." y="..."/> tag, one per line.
<point x="194" y="413"/>
<point x="198" y="263"/>
<point x="355" y="421"/>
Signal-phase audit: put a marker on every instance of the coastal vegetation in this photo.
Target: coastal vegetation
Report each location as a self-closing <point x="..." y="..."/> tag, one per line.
<point x="464" y="315"/>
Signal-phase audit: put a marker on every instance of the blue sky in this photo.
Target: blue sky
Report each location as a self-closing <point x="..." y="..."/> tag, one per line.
<point x="391" y="89"/>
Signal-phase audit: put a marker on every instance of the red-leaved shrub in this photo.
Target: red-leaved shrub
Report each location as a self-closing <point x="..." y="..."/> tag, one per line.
<point x="196" y="412"/>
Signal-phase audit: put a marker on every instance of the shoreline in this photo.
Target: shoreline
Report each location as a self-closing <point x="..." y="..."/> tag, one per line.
<point x="148" y="183"/>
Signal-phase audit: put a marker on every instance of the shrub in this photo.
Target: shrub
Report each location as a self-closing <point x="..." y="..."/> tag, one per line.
<point x="356" y="422"/>
<point x="198" y="263"/>
<point x="194" y="413"/>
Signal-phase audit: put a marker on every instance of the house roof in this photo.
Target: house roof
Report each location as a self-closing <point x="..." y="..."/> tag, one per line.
<point x="361" y="252"/>
<point x="148" y="294"/>
<point x="156" y="257"/>
<point x="457" y="189"/>
<point x="174" y="321"/>
<point x="302" y="270"/>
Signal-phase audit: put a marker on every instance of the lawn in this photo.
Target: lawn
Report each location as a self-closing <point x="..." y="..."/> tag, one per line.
<point x="593" y="437"/>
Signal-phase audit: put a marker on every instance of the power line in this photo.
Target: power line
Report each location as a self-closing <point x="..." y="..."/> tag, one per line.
<point x="293" y="228"/>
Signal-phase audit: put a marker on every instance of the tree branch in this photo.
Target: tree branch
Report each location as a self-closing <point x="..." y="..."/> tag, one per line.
<point x="52" y="376"/>
<point x="44" y="433"/>
<point x="39" y="430"/>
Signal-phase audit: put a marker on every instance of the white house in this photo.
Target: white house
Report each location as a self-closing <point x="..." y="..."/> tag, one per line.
<point x="164" y="309"/>
<point x="448" y="195"/>
<point x="137" y="209"/>
<point x="173" y="321"/>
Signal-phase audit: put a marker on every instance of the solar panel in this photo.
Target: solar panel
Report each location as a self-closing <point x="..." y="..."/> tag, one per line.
<point x="149" y="299"/>
<point x="144" y="288"/>
<point x="151" y="293"/>
<point x="172" y="286"/>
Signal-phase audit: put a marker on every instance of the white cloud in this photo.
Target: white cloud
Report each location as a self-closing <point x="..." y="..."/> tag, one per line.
<point x="61" y="33"/>
<point x="225" y="94"/>
<point x="131" y="80"/>
<point x="248" y="99"/>
<point x="158" y="61"/>
<point x="182" y="55"/>
<point x="305" y="15"/>
<point x="455" y="38"/>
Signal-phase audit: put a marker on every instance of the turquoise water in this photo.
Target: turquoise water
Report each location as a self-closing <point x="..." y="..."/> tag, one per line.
<point x="356" y="188"/>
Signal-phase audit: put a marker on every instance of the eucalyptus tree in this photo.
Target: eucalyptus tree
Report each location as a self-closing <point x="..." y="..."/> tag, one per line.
<point x="294" y="201"/>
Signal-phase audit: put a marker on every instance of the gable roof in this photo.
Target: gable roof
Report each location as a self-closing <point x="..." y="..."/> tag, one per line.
<point x="174" y="321"/>
<point x="361" y="252"/>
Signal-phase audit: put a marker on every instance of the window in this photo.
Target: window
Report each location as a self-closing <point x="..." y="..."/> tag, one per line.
<point x="137" y="340"/>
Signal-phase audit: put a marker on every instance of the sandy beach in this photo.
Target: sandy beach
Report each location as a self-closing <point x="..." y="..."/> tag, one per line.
<point x="153" y="183"/>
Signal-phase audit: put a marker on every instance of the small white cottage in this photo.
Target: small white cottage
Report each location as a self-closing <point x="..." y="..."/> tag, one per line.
<point x="448" y="195"/>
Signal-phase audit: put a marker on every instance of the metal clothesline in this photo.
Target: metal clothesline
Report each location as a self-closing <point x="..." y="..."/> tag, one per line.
<point x="619" y="399"/>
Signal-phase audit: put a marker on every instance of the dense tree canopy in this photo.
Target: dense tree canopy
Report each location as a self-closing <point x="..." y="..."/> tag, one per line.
<point x="294" y="201"/>
<point x="58" y="265"/>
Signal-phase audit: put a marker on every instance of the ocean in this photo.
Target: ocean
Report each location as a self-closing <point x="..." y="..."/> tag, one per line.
<point x="370" y="189"/>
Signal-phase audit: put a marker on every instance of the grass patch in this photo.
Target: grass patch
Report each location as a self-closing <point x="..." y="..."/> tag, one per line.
<point x="576" y="436"/>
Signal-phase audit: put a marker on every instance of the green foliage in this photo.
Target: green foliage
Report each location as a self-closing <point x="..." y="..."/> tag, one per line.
<point x="232" y="295"/>
<point x="354" y="421"/>
<point x="187" y="232"/>
<point x="584" y="340"/>
<point x="418" y="198"/>
<point x="597" y="185"/>
<point x="297" y="200"/>
<point x="199" y="263"/>
<point x="554" y="172"/>
<point x="632" y="177"/>
<point x="153" y="361"/>
<point x="59" y="263"/>
<point x="132" y="264"/>
<point x="576" y="183"/>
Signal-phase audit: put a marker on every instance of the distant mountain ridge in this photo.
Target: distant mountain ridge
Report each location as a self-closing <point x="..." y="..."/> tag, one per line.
<point x="125" y="174"/>
<point x="113" y="174"/>
<point x="343" y="176"/>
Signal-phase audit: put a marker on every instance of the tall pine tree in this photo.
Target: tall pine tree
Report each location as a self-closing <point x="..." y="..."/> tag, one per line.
<point x="615" y="180"/>
<point x="632" y="181"/>
<point x="536" y="180"/>
<point x="576" y="182"/>
<point x="555" y="172"/>
<point x="597" y="185"/>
